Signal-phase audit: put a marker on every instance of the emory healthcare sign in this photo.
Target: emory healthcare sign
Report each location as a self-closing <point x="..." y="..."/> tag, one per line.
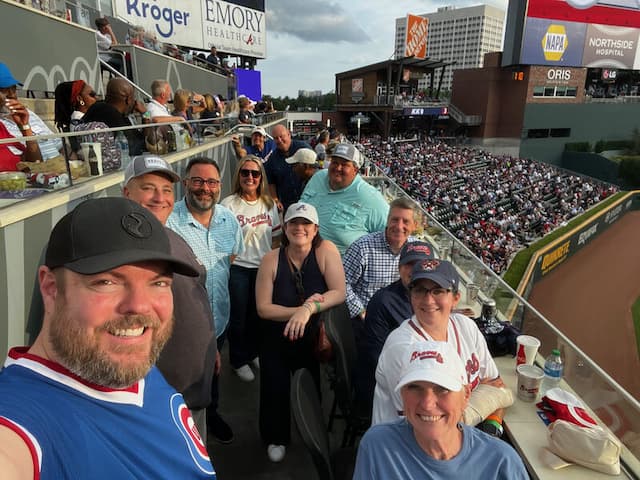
<point x="201" y="24"/>
<point x="416" y="39"/>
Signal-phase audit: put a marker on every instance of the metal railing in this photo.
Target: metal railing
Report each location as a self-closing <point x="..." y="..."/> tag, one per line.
<point x="615" y="407"/>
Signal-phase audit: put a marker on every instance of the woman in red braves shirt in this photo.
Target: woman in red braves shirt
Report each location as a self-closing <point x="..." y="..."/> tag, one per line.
<point x="12" y="153"/>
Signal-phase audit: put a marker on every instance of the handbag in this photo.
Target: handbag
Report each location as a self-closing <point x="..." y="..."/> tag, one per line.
<point x="322" y="346"/>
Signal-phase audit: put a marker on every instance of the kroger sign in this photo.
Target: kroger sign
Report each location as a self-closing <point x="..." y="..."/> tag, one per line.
<point x="199" y="24"/>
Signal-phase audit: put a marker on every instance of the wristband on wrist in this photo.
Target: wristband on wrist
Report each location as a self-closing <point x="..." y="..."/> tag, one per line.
<point x="317" y="304"/>
<point x="308" y="306"/>
<point x="494" y="418"/>
<point x="493" y="428"/>
<point x="25" y="127"/>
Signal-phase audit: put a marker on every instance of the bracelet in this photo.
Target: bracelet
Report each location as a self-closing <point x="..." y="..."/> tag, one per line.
<point x="495" y="418"/>
<point x="496" y="425"/>
<point x="317" y="304"/>
<point x="25" y="127"/>
<point x="310" y="307"/>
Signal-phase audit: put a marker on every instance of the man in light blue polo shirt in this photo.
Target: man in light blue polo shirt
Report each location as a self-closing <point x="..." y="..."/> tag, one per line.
<point x="215" y="236"/>
<point x="348" y="207"/>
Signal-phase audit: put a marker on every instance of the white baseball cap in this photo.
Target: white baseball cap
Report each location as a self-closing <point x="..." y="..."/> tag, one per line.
<point x="303" y="155"/>
<point x="435" y="362"/>
<point x="301" y="210"/>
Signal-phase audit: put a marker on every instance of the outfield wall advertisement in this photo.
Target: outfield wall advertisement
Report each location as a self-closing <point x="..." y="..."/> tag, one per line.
<point x="568" y="245"/>
<point x="582" y="33"/>
<point x="201" y="24"/>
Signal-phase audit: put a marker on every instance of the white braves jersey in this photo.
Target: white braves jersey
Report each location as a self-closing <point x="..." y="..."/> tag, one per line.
<point x="462" y="334"/>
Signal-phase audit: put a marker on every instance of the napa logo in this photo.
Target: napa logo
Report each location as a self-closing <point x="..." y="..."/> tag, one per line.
<point x="554" y="43"/>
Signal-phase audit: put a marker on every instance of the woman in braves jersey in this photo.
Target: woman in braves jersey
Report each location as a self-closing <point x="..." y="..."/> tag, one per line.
<point x="258" y="217"/>
<point x="434" y="294"/>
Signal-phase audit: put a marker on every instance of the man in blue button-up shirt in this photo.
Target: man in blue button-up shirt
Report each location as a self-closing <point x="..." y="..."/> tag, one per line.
<point x="215" y="236"/>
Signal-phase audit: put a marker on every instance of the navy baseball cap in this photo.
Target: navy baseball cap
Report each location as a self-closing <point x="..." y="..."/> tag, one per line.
<point x="440" y="271"/>
<point x="414" y="251"/>
<point x="101" y="234"/>
<point x="6" y="78"/>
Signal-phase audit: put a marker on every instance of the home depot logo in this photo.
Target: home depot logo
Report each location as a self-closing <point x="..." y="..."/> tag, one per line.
<point x="554" y="43"/>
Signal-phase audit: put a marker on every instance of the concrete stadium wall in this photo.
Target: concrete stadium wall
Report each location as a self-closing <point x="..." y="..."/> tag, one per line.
<point x="557" y="252"/>
<point x="25" y="228"/>
<point x="589" y="122"/>
<point x="591" y="164"/>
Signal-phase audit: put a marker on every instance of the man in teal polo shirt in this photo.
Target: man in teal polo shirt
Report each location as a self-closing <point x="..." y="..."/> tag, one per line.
<point x="348" y="207"/>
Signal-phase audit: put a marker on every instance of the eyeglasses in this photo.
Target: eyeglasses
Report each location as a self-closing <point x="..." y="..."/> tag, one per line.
<point x="199" y="182"/>
<point x="245" y="172"/>
<point x="437" y="292"/>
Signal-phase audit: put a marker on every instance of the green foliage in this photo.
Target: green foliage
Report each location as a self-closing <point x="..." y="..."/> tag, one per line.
<point x="520" y="262"/>
<point x="635" y="142"/>
<point x="602" y="145"/>
<point x="322" y="103"/>
<point x="577" y="147"/>
<point x="629" y="171"/>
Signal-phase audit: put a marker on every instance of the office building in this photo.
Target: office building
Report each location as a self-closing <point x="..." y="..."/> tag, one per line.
<point x="460" y="35"/>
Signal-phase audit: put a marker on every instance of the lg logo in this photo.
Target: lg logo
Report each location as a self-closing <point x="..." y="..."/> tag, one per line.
<point x="558" y="74"/>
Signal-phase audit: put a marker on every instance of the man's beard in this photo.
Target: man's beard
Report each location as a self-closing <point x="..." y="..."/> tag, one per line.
<point x="204" y="205"/>
<point x="83" y="356"/>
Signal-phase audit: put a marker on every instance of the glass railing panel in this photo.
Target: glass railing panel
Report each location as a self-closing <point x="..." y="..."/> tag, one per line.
<point x="610" y="402"/>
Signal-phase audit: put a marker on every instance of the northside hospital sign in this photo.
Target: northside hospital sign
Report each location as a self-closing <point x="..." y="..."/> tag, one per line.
<point x="199" y="24"/>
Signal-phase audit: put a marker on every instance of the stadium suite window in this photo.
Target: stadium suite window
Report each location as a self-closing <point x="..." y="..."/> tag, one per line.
<point x="538" y="133"/>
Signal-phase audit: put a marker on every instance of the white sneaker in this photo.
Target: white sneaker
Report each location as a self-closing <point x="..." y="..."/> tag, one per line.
<point x="256" y="362"/>
<point x="245" y="373"/>
<point x="276" y="452"/>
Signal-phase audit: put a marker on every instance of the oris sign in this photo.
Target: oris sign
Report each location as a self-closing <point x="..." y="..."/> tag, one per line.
<point x="558" y="75"/>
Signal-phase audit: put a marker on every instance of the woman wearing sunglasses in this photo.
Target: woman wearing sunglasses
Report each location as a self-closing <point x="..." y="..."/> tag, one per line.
<point x="296" y="282"/>
<point x="258" y="216"/>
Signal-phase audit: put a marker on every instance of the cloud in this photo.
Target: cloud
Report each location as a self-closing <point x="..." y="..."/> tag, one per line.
<point x="313" y="21"/>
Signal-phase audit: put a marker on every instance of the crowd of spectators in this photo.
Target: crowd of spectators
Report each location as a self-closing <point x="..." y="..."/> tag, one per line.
<point x="495" y="204"/>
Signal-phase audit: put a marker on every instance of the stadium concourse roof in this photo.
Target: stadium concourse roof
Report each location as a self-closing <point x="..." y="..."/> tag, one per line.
<point x="405" y="62"/>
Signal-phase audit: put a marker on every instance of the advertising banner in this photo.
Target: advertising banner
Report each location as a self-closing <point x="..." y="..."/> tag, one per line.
<point x="607" y="46"/>
<point x="558" y="252"/>
<point x="416" y="39"/>
<point x="172" y="21"/>
<point x="234" y="28"/>
<point x="231" y="28"/>
<point x="549" y="42"/>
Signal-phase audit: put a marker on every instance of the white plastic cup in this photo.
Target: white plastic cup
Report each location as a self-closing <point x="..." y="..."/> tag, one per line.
<point x="529" y="381"/>
<point x="526" y="349"/>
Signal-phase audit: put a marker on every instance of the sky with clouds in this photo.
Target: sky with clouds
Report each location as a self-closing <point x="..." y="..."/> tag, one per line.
<point x="309" y="41"/>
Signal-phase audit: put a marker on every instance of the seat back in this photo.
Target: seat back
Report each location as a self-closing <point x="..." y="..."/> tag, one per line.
<point x="338" y="326"/>
<point x="309" y="419"/>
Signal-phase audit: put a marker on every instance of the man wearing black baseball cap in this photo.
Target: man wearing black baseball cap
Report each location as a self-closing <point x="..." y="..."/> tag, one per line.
<point x="85" y="398"/>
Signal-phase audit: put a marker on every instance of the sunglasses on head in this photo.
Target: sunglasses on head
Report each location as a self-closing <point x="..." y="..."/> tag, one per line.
<point x="245" y="172"/>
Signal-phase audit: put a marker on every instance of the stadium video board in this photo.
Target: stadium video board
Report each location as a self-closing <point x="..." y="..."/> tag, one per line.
<point x="582" y="33"/>
<point x="232" y="27"/>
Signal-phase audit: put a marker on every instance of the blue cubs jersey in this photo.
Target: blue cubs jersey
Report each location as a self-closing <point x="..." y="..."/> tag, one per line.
<point x="77" y="430"/>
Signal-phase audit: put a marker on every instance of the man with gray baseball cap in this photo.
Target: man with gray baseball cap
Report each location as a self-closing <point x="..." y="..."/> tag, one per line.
<point x="108" y="312"/>
<point x="190" y="358"/>
<point x="347" y="205"/>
